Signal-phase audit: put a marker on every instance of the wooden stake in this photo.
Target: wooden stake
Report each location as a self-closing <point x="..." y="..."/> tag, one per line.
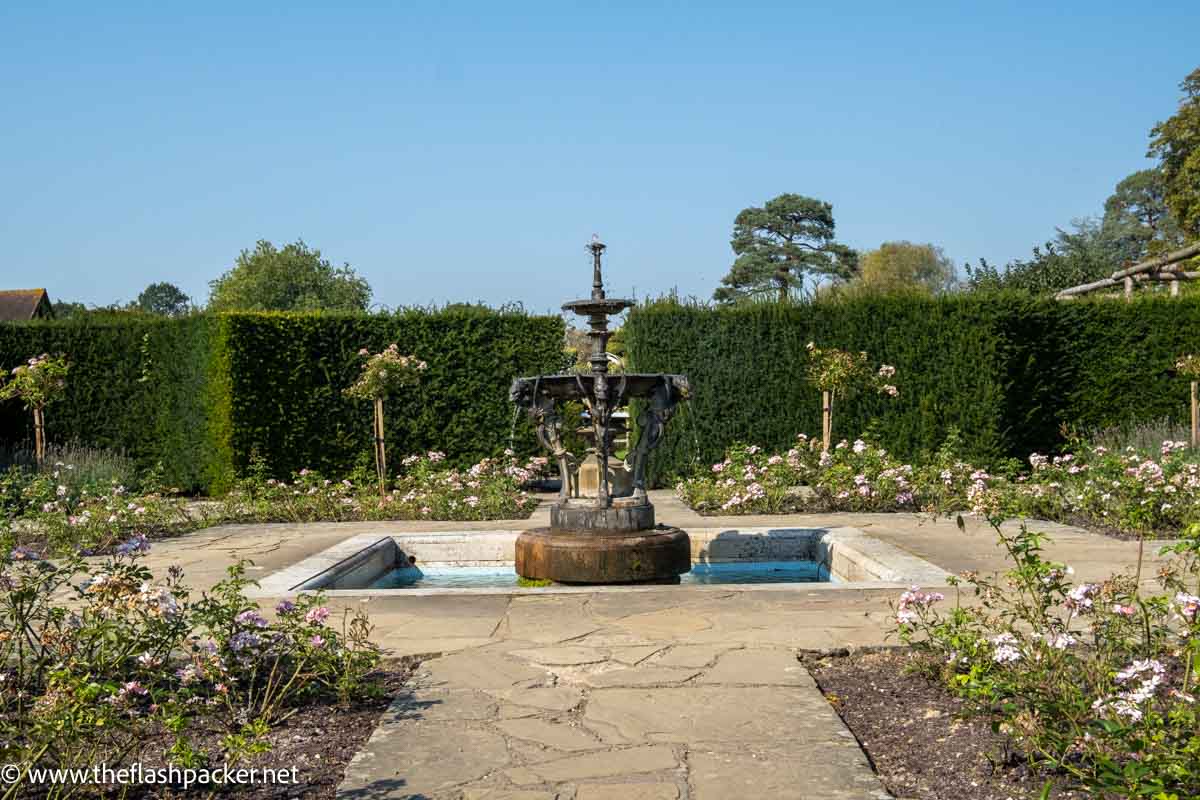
<point x="39" y="436"/>
<point x="1195" y="414"/>
<point x="1128" y="288"/>
<point x="826" y="419"/>
<point x="380" y="454"/>
<point x="1175" y="287"/>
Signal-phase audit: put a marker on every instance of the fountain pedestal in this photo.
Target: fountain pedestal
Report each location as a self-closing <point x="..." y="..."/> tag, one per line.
<point x="606" y="535"/>
<point x="603" y="556"/>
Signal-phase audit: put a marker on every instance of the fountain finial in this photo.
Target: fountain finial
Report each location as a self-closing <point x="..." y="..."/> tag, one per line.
<point x="597" y="247"/>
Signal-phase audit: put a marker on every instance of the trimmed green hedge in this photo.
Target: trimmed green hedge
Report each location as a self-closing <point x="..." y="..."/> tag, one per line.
<point x="286" y="374"/>
<point x="1009" y="371"/>
<point x="136" y="385"/>
<point x="205" y="394"/>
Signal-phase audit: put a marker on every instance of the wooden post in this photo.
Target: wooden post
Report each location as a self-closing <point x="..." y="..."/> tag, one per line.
<point x="826" y="419"/>
<point x="1175" y="287"/>
<point x="1128" y="287"/>
<point x="39" y="436"/>
<point x="380" y="454"/>
<point x="1195" y="414"/>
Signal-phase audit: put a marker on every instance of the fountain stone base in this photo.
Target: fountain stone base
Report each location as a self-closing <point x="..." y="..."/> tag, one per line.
<point x="625" y="515"/>
<point x="658" y="555"/>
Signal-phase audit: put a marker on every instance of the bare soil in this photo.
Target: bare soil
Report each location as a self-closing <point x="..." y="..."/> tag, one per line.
<point x="916" y="734"/>
<point x="319" y="740"/>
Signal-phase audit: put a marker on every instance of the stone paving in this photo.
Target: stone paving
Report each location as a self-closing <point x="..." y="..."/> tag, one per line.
<point x="680" y="692"/>
<point x="612" y="715"/>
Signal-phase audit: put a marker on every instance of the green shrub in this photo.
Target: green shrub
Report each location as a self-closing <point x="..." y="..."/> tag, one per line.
<point x="1012" y="373"/>
<point x="205" y="394"/>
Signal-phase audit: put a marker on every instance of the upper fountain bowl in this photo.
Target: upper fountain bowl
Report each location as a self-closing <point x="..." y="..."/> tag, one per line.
<point x="603" y="305"/>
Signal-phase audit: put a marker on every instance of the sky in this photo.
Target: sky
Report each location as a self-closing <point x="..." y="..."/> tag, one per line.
<point x="466" y="152"/>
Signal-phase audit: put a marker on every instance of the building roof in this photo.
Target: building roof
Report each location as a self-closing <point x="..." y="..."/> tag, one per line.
<point x="21" y="305"/>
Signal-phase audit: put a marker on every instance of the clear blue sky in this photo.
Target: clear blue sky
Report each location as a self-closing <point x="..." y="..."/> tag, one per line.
<point x="462" y="152"/>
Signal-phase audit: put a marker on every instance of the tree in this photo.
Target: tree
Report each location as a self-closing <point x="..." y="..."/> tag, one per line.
<point x="164" y="299"/>
<point x="1071" y="258"/>
<point x="37" y="383"/>
<point x="384" y="374"/>
<point x="904" y="265"/>
<point x="837" y="373"/>
<point x="67" y="310"/>
<point x="1137" y="223"/>
<point x="778" y="244"/>
<point x="1176" y="144"/>
<point x="293" y="278"/>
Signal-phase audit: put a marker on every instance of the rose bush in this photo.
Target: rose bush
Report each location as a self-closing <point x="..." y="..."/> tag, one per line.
<point x="426" y="488"/>
<point x="1130" y="491"/>
<point x="1094" y="682"/>
<point x="99" y="660"/>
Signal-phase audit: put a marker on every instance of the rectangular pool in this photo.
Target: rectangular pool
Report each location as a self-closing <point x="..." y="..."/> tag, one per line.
<point x="503" y="577"/>
<point x="482" y="561"/>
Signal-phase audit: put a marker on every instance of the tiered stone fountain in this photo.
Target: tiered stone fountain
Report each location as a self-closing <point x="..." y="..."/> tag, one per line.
<point x="609" y="535"/>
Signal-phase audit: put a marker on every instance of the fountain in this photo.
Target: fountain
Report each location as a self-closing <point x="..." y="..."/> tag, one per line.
<point x="606" y="534"/>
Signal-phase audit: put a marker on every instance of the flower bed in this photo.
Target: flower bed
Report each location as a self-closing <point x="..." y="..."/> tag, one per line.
<point x="425" y="489"/>
<point x="916" y="734"/>
<point x="1094" y="682"/>
<point x="110" y="664"/>
<point x="51" y="513"/>
<point x="1126" y="493"/>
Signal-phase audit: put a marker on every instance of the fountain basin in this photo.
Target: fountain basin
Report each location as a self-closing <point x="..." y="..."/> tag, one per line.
<point x="603" y="556"/>
<point x="850" y="559"/>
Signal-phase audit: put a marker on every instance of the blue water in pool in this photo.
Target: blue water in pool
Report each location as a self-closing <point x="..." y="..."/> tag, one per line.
<point x="505" y="578"/>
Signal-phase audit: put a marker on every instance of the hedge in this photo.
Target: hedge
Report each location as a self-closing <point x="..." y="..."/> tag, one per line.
<point x="1012" y="373"/>
<point x="136" y="385"/>
<point x="203" y="395"/>
<point x="286" y="373"/>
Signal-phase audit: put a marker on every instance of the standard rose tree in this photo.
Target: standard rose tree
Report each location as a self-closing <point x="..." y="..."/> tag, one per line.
<point x="384" y="374"/>
<point x="1189" y="366"/>
<point x="839" y="373"/>
<point x="37" y="383"/>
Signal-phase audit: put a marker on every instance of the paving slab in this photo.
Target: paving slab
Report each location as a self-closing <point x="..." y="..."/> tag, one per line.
<point x="633" y="655"/>
<point x="627" y="791"/>
<point x="501" y="793"/>
<point x="796" y="771"/>
<point x="641" y="675"/>
<point x="629" y="761"/>
<point x="476" y="670"/>
<point x="757" y="666"/>
<point x="670" y="624"/>
<point x="413" y="759"/>
<point x="692" y="655"/>
<point x="563" y="656"/>
<point x="691" y="715"/>
<point x="444" y="705"/>
<point x="549" y="619"/>
<point x="550" y="734"/>
<point x="548" y="698"/>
